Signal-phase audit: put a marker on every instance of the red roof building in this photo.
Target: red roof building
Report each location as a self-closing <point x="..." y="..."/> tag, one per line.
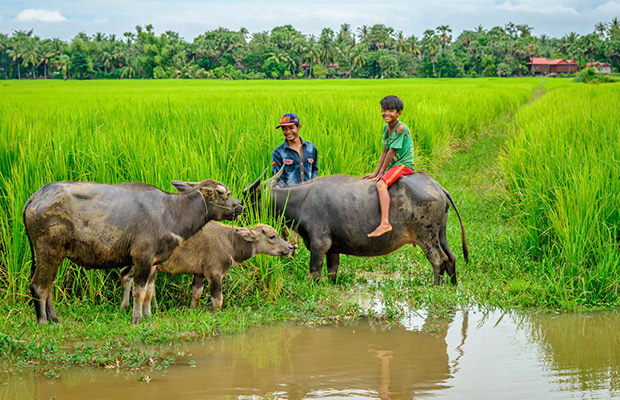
<point x="600" y="67"/>
<point x="543" y="66"/>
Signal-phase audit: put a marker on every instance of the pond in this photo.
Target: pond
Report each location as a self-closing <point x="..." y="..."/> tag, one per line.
<point x="478" y="354"/>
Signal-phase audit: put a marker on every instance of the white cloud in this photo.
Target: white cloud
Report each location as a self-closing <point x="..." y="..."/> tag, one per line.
<point x="531" y="8"/>
<point x="32" y="14"/>
<point x="611" y="8"/>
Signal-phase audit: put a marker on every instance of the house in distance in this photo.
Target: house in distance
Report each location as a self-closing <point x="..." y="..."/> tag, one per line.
<point x="600" y="67"/>
<point x="542" y="66"/>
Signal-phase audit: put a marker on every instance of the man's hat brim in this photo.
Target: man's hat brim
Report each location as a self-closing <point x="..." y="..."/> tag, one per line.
<point x="286" y="124"/>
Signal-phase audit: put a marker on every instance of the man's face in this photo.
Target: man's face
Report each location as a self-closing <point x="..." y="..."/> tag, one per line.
<point x="390" y="114"/>
<point x="290" y="132"/>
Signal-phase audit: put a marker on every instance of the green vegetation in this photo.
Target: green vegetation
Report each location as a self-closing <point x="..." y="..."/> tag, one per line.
<point x="589" y="75"/>
<point x="563" y="180"/>
<point x="524" y="251"/>
<point x="376" y="51"/>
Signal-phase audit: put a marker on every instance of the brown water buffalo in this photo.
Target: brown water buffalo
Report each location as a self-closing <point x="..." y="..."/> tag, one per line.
<point x="334" y="214"/>
<point x="210" y="253"/>
<point x="111" y="226"/>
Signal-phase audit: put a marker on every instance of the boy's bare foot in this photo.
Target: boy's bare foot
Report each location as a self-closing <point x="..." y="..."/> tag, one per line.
<point x="381" y="229"/>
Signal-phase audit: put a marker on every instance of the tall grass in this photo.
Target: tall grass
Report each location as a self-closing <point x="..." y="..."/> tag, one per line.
<point x="563" y="174"/>
<point x="159" y="131"/>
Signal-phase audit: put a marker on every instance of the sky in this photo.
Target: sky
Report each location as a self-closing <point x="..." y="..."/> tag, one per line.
<point x="66" y="18"/>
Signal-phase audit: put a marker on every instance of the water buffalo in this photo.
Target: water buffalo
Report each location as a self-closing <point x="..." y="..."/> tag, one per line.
<point x="210" y="253"/>
<point x="334" y="214"/>
<point x="110" y="226"/>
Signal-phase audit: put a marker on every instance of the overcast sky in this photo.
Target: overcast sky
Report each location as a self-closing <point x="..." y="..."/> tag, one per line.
<point x="65" y="18"/>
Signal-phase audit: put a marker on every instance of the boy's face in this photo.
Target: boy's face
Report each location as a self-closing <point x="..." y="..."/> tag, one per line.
<point x="291" y="132"/>
<point x="390" y="114"/>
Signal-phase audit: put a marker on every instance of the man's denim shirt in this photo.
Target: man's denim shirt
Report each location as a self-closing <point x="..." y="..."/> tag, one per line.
<point x="291" y="175"/>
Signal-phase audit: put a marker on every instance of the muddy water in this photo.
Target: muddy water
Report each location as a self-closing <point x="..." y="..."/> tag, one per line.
<point x="473" y="354"/>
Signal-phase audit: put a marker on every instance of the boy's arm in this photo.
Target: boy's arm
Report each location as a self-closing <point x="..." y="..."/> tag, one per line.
<point x="276" y="164"/>
<point x="382" y="167"/>
<point x="381" y="159"/>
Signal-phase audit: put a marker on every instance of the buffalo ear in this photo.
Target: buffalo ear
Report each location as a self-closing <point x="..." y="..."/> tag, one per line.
<point x="246" y="234"/>
<point x="209" y="193"/>
<point x="182" y="186"/>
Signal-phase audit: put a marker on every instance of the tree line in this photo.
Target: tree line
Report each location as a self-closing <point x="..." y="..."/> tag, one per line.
<point x="376" y="51"/>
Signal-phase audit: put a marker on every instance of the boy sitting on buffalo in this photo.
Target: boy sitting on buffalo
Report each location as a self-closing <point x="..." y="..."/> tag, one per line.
<point x="396" y="159"/>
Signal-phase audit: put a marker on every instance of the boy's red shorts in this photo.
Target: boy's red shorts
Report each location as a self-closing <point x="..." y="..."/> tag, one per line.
<point x="395" y="173"/>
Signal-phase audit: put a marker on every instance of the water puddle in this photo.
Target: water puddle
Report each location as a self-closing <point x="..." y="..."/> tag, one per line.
<point x="472" y="354"/>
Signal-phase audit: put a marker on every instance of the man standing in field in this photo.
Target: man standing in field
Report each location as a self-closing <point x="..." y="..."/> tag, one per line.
<point x="396" y="159"/>
<point x="300" y="160"/>
<point x="298" y="156"/>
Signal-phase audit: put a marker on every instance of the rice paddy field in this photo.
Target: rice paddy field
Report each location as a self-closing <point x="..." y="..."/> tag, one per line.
<point x="531" y="163"/>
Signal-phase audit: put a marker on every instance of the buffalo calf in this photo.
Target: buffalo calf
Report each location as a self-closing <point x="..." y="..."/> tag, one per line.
<point x="210" y="253"/>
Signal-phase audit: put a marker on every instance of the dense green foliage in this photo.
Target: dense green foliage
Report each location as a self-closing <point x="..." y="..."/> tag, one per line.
<point x="562" y="175"/>
<point x="376" y="51"/>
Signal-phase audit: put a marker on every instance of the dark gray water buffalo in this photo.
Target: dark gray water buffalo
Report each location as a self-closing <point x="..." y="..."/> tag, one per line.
<point x="334" y="214"/>
<point x="110" y="226"/>
<point x="210" y="253"/>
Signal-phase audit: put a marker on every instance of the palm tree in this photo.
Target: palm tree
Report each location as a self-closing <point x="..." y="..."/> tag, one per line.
<point x="244" y="32"/>
<point x="363" y="32"/>
<point x="511" y="29"/>
<point x="64" y="62"/>
<point x="299" y="46"/>
<point x="357" y="57"/>
<point x="128" y="71"/>
<point x="414" y="49"/>
<point x="325" y="41"/>
<point x="431" y="46"/>
<point x="345" y="35"/>
<point x="4" y="40"/>
<point x="107" y="58"/>
<point x="600" y="29"/>
<point x="444" y="35"/>
<point x="524" y="30"/>
<point x="278" y="56"/>
<point x="312" y="54"/>
<point x="130" y="36"/>
<point x="17" y="50"/>
<point x="568" y="42"/>
<point x="49" y="50"/>
<point x="401" y="42"/>
<point x="31" y="54"/>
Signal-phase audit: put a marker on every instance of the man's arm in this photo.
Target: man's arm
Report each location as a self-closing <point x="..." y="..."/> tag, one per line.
<point x="276" y="164"/>
<point x="315" y="164"/>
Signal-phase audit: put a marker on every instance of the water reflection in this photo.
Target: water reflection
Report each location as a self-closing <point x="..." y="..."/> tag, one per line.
<point x="470" y="355"/>
<point x="586" y="346"/>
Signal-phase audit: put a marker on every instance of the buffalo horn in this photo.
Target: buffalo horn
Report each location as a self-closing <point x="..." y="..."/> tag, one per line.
<point x="275" y="177"/>
<point x="252" y="187"/>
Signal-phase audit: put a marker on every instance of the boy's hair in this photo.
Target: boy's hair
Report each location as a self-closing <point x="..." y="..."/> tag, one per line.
<point x="392" y="103"/>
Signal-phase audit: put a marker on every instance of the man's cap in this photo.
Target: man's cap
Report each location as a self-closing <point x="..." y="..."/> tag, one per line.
<point x="288" y="119"/>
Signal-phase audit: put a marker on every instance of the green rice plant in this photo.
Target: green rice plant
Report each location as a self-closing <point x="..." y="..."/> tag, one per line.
<point x="159" y="131"/>
<point x="563" y="180"/>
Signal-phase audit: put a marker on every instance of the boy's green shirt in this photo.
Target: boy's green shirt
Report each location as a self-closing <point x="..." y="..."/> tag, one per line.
<point x="403" y="145"/>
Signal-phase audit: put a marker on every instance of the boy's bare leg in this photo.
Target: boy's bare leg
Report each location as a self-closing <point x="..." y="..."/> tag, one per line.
<point x="384" y="205"/>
